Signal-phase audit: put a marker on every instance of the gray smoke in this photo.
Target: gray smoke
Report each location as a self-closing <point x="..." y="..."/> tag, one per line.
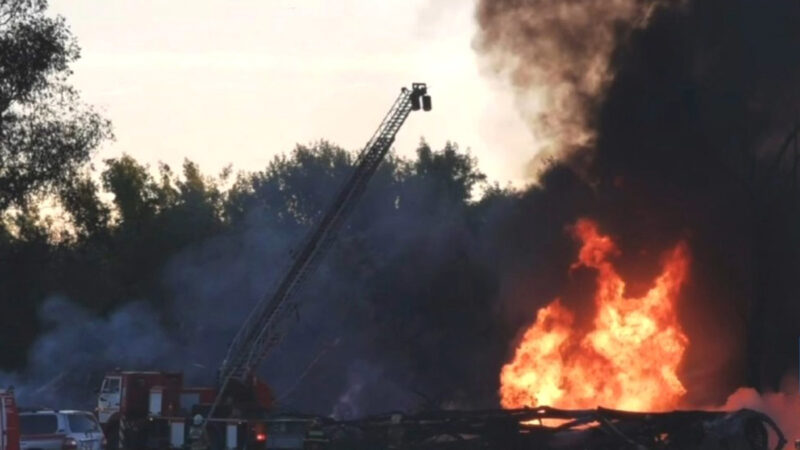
<point x="67" y="363"/>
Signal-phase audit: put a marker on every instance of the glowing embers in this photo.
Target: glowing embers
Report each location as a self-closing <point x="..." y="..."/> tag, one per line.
<point x="628" y="357"/>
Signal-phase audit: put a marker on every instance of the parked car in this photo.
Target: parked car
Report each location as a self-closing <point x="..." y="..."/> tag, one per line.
<point x="60" y="430"/>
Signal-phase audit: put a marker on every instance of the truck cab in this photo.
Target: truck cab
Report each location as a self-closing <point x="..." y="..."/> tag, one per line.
<point x="9" y="421"/>
<point x="108" y="400"/>
<point x="138" y="395"/>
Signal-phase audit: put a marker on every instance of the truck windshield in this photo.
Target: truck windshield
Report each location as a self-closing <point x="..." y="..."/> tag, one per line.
<point x="38" y="424"/>
<point x="81" y="423"/>
<point x="110" y="386"/>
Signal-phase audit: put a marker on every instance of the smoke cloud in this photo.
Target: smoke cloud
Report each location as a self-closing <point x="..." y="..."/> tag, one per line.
<point x="667" y="119"/>
<point x="781" y="405"/>
<point x="557" y="57"/>
<point x="67" y="364"/>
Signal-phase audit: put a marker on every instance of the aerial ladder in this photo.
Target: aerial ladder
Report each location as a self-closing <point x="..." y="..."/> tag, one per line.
<point x="267" y="324"/>
<point x="143" y="409"/>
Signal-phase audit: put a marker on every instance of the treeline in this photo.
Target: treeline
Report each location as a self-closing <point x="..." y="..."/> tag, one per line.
<point x="116" y="232"/>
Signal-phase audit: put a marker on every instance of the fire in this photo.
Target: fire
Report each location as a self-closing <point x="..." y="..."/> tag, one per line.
<point x="627" y="360"/>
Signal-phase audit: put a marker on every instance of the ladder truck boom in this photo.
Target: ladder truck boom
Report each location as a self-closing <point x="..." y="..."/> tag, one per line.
<point x="266" y="325"/>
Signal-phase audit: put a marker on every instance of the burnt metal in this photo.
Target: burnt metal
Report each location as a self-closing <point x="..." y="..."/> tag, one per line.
<point x="596" y="429"/>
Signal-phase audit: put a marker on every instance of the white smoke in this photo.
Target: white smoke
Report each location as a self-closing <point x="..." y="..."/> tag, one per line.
<point x="782" y="406"/>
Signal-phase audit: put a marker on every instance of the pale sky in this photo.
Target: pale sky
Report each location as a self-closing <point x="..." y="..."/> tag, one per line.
<point x="237" y="81"/>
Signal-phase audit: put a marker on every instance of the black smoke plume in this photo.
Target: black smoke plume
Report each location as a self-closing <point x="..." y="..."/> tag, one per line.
<point x="686" y="143"/>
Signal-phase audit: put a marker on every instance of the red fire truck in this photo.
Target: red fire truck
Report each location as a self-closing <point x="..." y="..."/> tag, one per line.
<point x="9" y="421"/>
<point x="150" y="410"/>
<point x="153" y="410"/>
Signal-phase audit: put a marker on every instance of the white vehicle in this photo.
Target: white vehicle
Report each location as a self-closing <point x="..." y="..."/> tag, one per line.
<point x="60" y="430"/>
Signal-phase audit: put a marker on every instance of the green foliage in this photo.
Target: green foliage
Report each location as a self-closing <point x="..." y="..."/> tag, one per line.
<point x="46" y="133"/>
<point x="136" y="195"/>
<point x="90" y="216"/>
<point x="453" y="174"/>
<point x="282" y="192"/>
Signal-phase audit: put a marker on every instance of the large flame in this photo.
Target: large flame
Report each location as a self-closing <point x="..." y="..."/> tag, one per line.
<point x="627" y="360"/>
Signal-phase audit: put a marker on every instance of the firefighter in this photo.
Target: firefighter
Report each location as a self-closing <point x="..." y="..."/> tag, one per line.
<point x="198" y="437"/>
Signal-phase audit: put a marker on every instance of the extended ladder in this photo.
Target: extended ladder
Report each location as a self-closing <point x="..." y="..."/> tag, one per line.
<point x="265" y="327"/>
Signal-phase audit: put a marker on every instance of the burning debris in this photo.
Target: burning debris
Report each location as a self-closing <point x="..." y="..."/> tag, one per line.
<point x="628" y="360"/>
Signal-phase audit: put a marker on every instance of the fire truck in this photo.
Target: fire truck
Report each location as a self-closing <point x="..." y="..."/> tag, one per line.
<point x="9" y="421"/>
<point x="154" y="410"/>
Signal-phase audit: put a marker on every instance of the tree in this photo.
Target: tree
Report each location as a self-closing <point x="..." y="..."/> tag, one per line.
<point x="442" y="180"/>
<point x="291" y="190"/>
<point x="81" y="200"/>
<point x="136" y="194"/>
<point x="46" y="133"/>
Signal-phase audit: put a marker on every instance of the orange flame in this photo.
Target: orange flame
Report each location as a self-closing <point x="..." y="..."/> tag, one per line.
<point x="628" y="360"/>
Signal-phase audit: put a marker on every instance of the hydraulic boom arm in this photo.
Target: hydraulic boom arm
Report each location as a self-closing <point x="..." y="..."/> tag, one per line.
<point x="266" y="324"/>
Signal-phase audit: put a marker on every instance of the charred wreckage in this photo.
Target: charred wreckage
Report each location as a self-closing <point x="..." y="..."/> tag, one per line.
<point x="550" y="428"/>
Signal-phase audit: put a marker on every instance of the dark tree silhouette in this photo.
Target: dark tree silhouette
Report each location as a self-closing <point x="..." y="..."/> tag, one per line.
<point x="46" y="133"/>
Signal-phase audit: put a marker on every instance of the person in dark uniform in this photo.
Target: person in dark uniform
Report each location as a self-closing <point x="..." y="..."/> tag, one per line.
<point x="198" y="438"/>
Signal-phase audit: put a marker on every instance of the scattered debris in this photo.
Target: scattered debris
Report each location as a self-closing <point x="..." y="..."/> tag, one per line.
<point x="550" y="428"/>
